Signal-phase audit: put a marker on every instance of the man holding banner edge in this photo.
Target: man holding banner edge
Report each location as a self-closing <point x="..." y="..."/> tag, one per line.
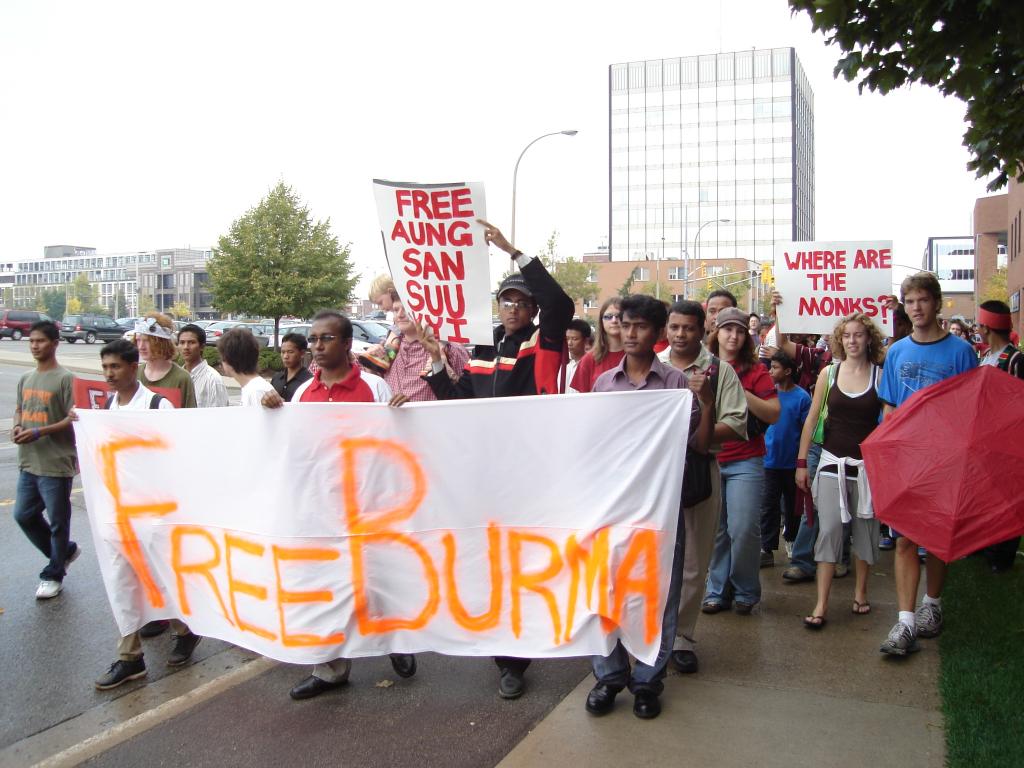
<point x="524" y="360"/>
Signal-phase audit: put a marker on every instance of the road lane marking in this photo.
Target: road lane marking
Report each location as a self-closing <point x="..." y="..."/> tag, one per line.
<point x="80" y="738"/>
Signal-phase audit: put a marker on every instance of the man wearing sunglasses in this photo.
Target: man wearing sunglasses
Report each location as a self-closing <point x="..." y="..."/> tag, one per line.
<point x="338" y="380"/>
<point x="524" y="360"/>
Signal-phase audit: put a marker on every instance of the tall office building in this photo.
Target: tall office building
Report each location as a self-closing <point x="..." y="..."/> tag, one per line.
<point x="702" y="138"/>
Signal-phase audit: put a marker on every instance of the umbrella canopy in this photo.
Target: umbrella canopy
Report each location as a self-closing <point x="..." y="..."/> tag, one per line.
<point x="947" y="468"/>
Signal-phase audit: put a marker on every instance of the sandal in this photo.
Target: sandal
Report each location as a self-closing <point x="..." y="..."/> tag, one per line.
<point x="814" y="622"/>
<point x="861" y="609"/>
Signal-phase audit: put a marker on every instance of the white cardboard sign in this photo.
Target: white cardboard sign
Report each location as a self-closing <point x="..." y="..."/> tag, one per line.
<point x="824" y="281"/>
<point x="438" y="256"/>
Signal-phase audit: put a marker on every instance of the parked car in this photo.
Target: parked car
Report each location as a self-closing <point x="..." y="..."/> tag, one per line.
<point x="361" y="339"/>
<point x="16" y="322"/>
<point x="89" y="328"/>
<point x="215" y="330"/>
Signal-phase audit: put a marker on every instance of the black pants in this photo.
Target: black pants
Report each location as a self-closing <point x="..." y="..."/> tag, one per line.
<point x="513" y="663"/>
<point x="779" y="484"/>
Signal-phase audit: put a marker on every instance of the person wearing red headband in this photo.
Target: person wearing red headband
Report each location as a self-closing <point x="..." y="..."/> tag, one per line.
<point x="996" y="324"/>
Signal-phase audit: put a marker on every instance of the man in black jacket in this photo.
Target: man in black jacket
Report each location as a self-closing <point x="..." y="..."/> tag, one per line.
<point x="525" y="360"/>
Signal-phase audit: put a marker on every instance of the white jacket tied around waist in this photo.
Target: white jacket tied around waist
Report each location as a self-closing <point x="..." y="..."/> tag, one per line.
<point x="864" y="505"/>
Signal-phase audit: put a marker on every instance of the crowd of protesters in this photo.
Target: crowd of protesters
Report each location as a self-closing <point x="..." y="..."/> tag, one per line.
<point x="774" y="452"/>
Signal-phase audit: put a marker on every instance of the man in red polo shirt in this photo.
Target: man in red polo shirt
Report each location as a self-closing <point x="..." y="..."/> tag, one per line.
<point x="338" y="380"/>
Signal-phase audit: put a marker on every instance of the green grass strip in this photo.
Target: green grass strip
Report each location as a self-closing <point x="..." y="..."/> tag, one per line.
<point x="982" y="665"/>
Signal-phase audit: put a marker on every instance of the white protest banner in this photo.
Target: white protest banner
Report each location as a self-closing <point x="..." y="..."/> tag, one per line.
<point x="821" y="282"/>
<point x="333" y="529"/>
<point x="438" y="256"/>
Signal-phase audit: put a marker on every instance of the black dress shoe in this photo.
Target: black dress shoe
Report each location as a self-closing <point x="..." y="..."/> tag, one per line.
<point x="601" y="699"/>
<point x="313" y="686"/>
<point x="684" y="661"/>
<point x="510" y="684"/>
<point x="404" y="664"/>
<point x="646" y="705"/>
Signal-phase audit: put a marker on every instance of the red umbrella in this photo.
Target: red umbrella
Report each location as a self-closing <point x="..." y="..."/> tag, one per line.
<point x="947" y="468"/>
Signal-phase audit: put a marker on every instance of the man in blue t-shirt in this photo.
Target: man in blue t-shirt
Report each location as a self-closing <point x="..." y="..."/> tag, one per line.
<point x="782" y="442"/>
<point x="925" y="357"/>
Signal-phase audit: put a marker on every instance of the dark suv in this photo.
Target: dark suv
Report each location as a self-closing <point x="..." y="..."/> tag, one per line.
<point x="90" y="328"/>
<point x="16" y="322"/>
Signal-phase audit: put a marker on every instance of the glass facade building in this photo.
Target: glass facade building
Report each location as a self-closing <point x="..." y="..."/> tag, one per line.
<point x="702" y="138"/>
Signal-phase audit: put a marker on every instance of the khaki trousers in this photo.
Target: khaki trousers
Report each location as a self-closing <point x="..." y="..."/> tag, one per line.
<point x="701" y="522"/>
<point x="129" y="647"/>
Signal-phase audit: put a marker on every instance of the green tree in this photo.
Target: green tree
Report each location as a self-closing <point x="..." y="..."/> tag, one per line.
<point x="968" y="49"/>
<point x="120" y="306"/>
<point x="570" y="273"/>
<point x="996" y="287"/>
<point x="86" y="294"/>
<point x="660" y="290"/>
<point x="74" y="305"/>
<point x="53" y="302"/>
<point x="276" y="261"/>
<point x="146" y="304"/>
<point x="8" y="297"/>
<point x="181" y="310"/>
<point x="627" y="286"/>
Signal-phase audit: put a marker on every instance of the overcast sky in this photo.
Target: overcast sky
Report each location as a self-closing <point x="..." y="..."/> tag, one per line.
<point x="132" y="126"/>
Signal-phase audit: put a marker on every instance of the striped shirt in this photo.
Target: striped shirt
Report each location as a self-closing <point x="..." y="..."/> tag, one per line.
<point x="209" y="386"/>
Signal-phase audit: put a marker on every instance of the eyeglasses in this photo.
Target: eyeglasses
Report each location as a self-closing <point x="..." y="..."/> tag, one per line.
<point x="326" y="338"/>
<point x="611" y="316"/>
<point x="514" y="305"/>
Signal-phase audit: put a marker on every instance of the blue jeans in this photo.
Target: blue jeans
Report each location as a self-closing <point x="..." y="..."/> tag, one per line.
<point x="803" y="546"/>
<point x="36" y="493"/>
<point x="736" y="561"/>
<point x="613" y="670"/>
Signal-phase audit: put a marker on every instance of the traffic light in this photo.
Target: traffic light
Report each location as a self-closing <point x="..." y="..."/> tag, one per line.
<point x="767" y="276"/>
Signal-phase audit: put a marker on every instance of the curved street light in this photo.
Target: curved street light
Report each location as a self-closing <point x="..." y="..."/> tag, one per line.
<point x="696" y="252"/>
<point x="515" y="174"/>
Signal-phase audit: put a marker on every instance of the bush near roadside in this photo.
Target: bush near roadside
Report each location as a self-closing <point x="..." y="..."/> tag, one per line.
<point x="269" y="362"/>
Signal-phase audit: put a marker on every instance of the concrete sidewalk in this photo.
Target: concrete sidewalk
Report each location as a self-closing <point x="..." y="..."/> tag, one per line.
<point x="770" y="693"/>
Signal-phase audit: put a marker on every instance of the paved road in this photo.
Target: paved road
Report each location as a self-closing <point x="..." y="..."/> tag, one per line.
<point x="52" y="651"/>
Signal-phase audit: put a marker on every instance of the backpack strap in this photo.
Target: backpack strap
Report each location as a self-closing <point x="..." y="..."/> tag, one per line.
<point x="713" y="373"/>
<point x="155" y="401"/>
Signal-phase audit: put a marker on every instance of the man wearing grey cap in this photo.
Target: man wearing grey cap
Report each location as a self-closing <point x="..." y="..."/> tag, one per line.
<point x="524" y="360"/>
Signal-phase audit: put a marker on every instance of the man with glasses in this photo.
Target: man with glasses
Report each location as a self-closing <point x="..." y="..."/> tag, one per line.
<point x="339" y="379"/>
<point x="525" y="360"/>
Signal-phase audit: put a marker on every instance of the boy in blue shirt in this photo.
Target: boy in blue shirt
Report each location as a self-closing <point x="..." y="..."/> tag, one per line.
<point x="925" y="357"/>
<point x="781" y="442"/>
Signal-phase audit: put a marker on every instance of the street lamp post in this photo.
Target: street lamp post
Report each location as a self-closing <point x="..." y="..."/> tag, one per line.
<point x="515" y="174"/>
<point x="696" y="250"/>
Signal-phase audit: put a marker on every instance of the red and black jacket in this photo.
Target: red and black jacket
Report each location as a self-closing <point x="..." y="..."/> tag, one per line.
<point x="524" y="363"/>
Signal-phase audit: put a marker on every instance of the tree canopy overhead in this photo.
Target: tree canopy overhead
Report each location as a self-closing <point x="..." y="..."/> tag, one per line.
<point x="971" y="49"/>
<point x="276" y="261"/>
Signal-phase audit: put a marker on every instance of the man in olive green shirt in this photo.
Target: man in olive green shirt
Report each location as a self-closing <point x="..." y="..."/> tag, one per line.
<point x="685" y="329"/>
<point x="46" y="457"/>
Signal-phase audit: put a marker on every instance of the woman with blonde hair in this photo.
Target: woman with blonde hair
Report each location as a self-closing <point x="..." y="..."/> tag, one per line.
<point x="848" y="408"/>
<point x="154" y="336"/>
<point x="607" y="352"/>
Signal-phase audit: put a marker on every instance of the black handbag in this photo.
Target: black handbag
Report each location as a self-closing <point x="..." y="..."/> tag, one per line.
<point x="697" y="478"/>
<point x="697" y="472"/>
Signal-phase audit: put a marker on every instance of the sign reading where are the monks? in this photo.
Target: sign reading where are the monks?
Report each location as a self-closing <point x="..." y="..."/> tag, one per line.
<point x="438" y="256"/>
<point x="822" y="282"/>
<point x="398" y="538"/>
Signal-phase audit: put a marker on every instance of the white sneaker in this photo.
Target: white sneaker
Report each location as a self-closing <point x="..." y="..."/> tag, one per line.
<point x="48" y="589"/>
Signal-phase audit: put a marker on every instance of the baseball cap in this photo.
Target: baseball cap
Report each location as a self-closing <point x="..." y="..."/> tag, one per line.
<point x="514" y="282"/>
<point x="731" y="316"/>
